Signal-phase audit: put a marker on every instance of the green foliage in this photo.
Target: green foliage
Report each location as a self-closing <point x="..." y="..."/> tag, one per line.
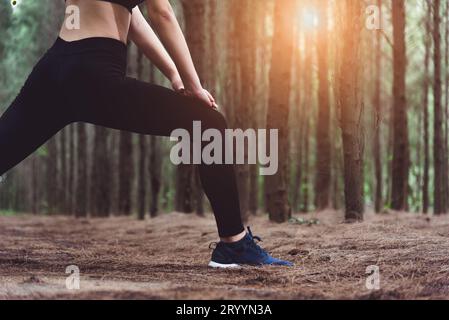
<point x="7" y="213"/>
<point x="25" y="37"/>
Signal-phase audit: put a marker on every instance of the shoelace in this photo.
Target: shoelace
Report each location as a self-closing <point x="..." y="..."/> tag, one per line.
<point x="251" y="234"/>
<point x="254" y="244"/>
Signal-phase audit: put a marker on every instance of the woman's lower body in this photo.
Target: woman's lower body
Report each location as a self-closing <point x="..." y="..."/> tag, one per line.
<point x="85" y="81"/>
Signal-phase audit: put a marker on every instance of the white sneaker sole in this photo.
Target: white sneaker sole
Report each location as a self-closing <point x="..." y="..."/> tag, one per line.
<point x="216" y="265"/>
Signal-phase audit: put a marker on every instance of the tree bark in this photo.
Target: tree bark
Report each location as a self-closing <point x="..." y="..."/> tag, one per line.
<point x="63" y="174"/>
<point x="428" y="43"/>
<point x="377" y="146"/>
<point x="52" y="172"/>
<point x="349" y="102"/>
<point x="142" y="167"/>
<point x="323" y="156"/>
<point x="306" y="115"/>
<point x="71" y="174"/>
<point x="81" y="183"/>
<point x="191" y="190"/>
<point x="126" y="173"/>
<point x="401" y="156"/>
<point x="276" y="186"/>
<point x="100" y="189"/>
<point x="246" y="60"/>
<point x="438" y="151"/>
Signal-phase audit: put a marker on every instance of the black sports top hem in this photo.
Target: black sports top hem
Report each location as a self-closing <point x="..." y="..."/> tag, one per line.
<point x="128" y="4"/>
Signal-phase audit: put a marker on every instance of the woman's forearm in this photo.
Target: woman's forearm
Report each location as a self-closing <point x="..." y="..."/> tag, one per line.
<point x="167" y="27"/>
<point x="146" y="40"/>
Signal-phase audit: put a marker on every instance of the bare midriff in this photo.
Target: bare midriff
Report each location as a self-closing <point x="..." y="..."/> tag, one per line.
<point x="96" y="19"/>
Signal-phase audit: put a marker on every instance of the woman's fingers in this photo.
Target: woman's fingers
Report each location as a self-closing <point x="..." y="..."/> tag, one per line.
<point x="210" y="97"/>
<point x="212" y="100"/>
<point x="178" y="85"/>
<point x="204" y="96"/>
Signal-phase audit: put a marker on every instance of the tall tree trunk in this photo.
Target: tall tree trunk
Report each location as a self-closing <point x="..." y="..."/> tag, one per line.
<point x="299" y="119"/>
<point x="52" y="171"/>
<point x="323" y="155"/>
<point x="126" y="173"/>
<point x="71" y="168"/>
<point x="195" y="22"/>
<point x="428" y="43"/>
<point x="438" y="153"/>
<point x="350" y="107"/>
<point x="142" y="181"/>
<point x="35" y="184"/>
<point x="306" y="121"/>
<point x="306" y="160"/>
<point x="246" y="59"/>
<point x="63" y="176"/>
<point x="142" y="167"/>
<point x="446" y="109"/>
<point x="401" y="157"/>
<point x="378" y="204"/>
<point x="81" y="183"/>
<point x="100" y="189"/>
<point x="155" y="174"/>
<point x="276" y="186"/>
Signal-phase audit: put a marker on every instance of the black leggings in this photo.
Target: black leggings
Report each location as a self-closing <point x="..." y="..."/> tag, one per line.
<point x="85" y="81"/>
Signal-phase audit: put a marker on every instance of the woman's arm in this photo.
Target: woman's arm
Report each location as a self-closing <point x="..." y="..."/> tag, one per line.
<point x="167" y="27"/>
<point x="144" y="37"/>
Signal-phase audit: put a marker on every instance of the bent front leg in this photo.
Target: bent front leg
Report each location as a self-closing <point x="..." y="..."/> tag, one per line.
<point x="139" y="107"/>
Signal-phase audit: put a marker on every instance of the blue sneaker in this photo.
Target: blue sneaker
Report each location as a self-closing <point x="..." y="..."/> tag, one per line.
<point x="243" y="252"/>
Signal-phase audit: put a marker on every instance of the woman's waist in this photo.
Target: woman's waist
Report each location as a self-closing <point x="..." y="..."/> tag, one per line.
<point x="95" y="56"/>
<point x="95" y="19"/>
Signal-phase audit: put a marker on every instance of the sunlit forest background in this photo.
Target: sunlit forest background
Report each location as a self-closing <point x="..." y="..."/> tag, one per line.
<point x="360" y="95"/>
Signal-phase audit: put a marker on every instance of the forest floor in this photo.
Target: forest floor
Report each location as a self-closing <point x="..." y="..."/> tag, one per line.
<point x="166" y="258"/>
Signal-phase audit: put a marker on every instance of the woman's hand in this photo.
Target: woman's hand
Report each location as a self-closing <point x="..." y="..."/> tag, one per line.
<point x="204" y="96"/>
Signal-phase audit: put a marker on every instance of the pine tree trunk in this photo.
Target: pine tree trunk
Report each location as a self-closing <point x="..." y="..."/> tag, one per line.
<point x="35" y="184"/>
<point x="298" y="134"/>
<point x="81" y="183"/>
<point x="426" y="138"/>
<point x="246" y="59"/>
<point x="276" y="186"/>
<point x="142" y="166"/>
<point x="142" y="181"/>
<point x="305" y="122"/>
<point x="63" y="176"/>
<point x="323" y="155"/>
<point x="71" y="175"/>
<point x="100" y="190"/>
<point x="155" y="174"/>
<point x="350" y="107"/>
<point x="154" y="164"/>
<point x="378" y="204"/>
<point x="446" y="110"/>
<point x="126" y="173"/>
<point x="191" y="190"/>
<point x="438" y="154"/>
<point x="52" y="172"/>
<point x="401" y="157"/>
